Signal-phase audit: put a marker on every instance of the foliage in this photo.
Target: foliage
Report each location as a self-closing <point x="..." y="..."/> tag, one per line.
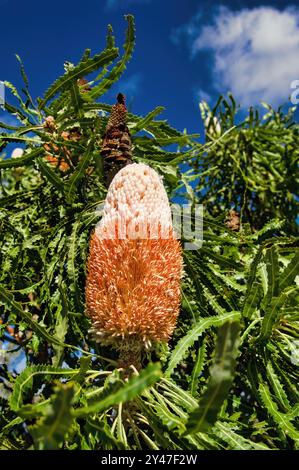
<point x="253" y="167"/>
<point x="228" y="379"/>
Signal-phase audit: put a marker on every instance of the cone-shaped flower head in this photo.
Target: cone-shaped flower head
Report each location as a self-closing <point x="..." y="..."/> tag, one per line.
<point x="135" y="262"/>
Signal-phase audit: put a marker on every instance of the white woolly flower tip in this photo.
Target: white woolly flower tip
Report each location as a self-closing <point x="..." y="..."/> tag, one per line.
<point x="136" y="200"/>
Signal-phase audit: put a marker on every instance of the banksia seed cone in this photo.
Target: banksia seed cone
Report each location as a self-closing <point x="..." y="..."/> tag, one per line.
<point x="116" y="147"/>
<point x="233" y="220"/>
<point x="135" y="263"/>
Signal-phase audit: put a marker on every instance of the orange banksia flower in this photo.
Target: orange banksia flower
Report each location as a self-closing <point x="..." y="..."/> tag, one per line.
<point x="135" y="262"/>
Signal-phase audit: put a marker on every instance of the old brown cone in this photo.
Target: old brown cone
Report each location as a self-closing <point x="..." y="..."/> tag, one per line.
<point x="116" y="147"/>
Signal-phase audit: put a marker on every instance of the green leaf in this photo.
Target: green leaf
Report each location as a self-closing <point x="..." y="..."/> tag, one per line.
<point x="7" y="299"/>
<point x="76" y="98"/>
<point x="79" y="173"/>
<point x="15" y="92"/>
<point x="61" y="326"/>
<point x="234" y="440"/>
<point x="129" y="391"/>
<point x="22" y="117"/>
<point x="142" y="124"/>
<point x="198" y="367"/>
<point x="85" y="363"/>
<point x="50" y="175"/>
<point x="21" y="161"/>
<point x="102" y="430"/>
<point x="119" y="68"/>
<point x="211" y="299"/>
<point x="273" y="313"/>
<point x="291" y="271"/>
<point x="222" y="260"/>
<point x="72" y="269"/>
<point x="82" y="69"/>
<point x="188" y="340"/>
<point x="273" y="272"/>
<point x="280" y="419"/>
<point x="277" y="387"/>
<point x="110" y="39"/>
<point x="271" y="226"/>
<point x="164" y="437"/>
<point x="24" y="382"/>
<point x="252" y="300"/>
<point x="49" y="432"/>
<point x="11" y="424"/>
<point x="23" y="73"/>
<point x="221" y="379"/>
<point x="17" y="137"/>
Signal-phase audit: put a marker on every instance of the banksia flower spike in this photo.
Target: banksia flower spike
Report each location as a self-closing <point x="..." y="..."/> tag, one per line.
<point x="135" y="263"/>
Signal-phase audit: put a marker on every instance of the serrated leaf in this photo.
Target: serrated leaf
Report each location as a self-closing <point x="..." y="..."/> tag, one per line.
<point x="76" y="99"/>
<point x="7" y="299"/>
<point x="129" y="391"/>
<point x="273" y="272"/>
<point x="277" y="387"/>
<point x="272" y="314"/>
<point x="24" y="382"/>
<point x="21" y="161"/>
<point x="49" y="432"/>
<point x="280" y="419"/>
<point x="188" y="340"/>
<point x="82" y="69"/>
<point x="220" y="382"/>
<point x="79" y="173"/>
<point x="108" y="441"/>
<point x="252" y="300"/>
<point x="290" y="272"/>
<point x="61" y="326"/>
<point x="85" y="363"/>
<point x="50" y="174"/>
<point x="119" y="68"/>
<point x="142" y="124"/>
<point x="234" y="440"/>
<point x="198" y="367"/>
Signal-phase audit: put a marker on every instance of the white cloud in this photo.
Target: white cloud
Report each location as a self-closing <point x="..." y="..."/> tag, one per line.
<point x="130" y="86"/>
<point x="202" y="95"/>
<point x="254" y="52"/>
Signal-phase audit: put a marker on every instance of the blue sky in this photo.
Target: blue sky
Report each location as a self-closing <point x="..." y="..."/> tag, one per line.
<point x="186" y="49"/>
